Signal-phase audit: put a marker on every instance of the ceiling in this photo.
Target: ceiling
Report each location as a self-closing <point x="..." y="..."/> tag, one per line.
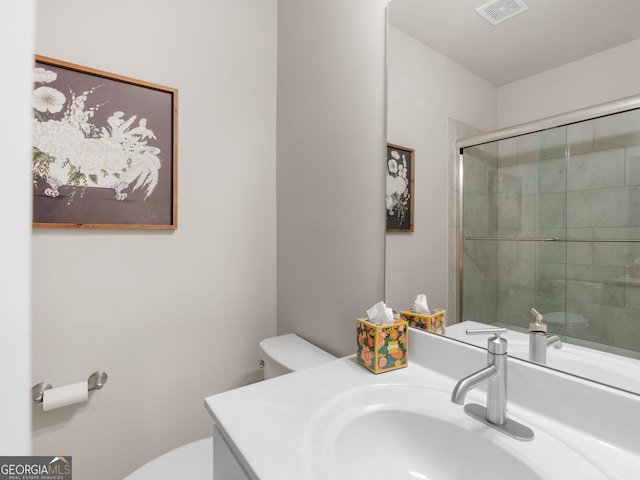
<point x="549" y="34"/>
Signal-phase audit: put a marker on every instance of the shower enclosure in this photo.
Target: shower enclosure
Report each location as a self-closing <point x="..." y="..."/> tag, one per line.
<point x="550" y="218"/>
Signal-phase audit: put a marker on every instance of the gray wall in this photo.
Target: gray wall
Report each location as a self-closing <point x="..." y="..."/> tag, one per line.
<point x="174" y="317"/>
<point x="425" y="89"/>
<point x="330" y="176"/>
<point x="583" y="83"/>
<point x="171" y="316"/>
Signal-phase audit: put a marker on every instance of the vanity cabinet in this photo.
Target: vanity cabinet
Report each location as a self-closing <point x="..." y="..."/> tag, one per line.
<point x="226" y="466"/>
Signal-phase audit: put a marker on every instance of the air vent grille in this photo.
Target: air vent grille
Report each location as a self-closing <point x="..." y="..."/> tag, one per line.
<point x="500" y="10"/>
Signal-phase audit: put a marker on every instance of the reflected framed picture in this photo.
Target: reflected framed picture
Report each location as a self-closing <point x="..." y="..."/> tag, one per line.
<point x="399" y="168"/>
<point x="105" y="151"/>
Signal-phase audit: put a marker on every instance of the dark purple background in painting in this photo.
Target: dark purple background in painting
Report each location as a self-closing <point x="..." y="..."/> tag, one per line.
<point x="99" y="205"/>
<point x="392" y="220"/>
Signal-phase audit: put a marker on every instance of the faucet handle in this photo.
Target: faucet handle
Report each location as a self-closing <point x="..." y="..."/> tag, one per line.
<point x="496" y="344"/>
<point x="538" y="325"/>
<point x="537" y="315"/>
<point x="487" y="331"/>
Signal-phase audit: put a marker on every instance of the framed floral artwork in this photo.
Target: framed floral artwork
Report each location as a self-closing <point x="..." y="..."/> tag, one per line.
<point x="105" y="150"/>
<point x="399" y="166"/>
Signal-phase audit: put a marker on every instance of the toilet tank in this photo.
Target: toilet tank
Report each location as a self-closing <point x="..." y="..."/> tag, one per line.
<point x="289" y="353"/>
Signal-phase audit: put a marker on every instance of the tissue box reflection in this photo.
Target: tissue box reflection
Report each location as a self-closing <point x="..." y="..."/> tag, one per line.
<point x="382" y="347"/>
<point x="435" y="322"/>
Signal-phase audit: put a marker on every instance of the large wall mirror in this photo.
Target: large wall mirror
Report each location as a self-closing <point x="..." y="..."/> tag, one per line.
<point x="478" y="247"/>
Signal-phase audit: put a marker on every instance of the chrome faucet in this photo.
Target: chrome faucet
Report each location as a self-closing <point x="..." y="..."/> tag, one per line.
<point x="539" y="341"/>
<point x="495" y="374"/>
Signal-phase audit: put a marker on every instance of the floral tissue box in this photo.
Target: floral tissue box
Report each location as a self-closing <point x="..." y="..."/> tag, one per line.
<point x="382" y="347"/>
<point x="435" y="322"/>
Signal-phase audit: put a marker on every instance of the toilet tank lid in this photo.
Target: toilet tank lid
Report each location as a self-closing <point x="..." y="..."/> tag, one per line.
<point x="293" y="352"/>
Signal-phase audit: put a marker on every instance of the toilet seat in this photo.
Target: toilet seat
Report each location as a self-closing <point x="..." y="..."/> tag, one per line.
<point x="193" y="461"/>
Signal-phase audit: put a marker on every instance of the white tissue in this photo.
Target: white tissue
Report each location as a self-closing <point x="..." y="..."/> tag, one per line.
<point x="420" y="305"/>
<point x="380" y="313"/>
<point x="63" y="396"/>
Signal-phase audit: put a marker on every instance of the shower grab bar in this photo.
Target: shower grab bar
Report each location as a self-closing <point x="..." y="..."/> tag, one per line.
<point x="556" y="239"/>
<point x="603" y="240"/>
<point x="516" y="239"/>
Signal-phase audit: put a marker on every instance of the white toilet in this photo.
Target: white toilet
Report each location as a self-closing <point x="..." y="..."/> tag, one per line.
<point x="278" y="356"/>
<point x="289" y="353"/>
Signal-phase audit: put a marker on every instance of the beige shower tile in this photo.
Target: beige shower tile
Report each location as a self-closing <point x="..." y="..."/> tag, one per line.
<point x="607" y="207"/>
<point x="551" y="210"/>
<point x="632" y="165"/>
<point x="580" y="137"/>
<point x="618" y="130"/>
<point x="507" y="152"/>
<point x="601" y="169"/>
<point x="552" y="175"/>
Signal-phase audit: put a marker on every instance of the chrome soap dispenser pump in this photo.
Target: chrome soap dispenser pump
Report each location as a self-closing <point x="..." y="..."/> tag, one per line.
<point x="538" y="339"/>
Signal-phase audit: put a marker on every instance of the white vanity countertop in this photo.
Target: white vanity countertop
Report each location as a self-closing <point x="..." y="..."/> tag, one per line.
<point x="270" y="422"/>
<point x="267" y="420"/>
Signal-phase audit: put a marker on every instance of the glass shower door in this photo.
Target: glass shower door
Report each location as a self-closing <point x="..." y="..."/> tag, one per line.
<point x="513" y="224"/>
<point x="551" y="220"/>
<point x="603" y="219"/>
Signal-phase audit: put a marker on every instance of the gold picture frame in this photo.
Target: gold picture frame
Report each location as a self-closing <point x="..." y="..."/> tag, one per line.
<point x="105" y="149"/>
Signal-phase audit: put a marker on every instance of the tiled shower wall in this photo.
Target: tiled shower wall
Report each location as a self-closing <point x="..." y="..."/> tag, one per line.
<point x="530" y="201"/>
<point x="580" y="182"/>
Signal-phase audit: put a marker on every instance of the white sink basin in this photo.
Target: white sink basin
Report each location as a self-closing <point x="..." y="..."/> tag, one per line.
<point x="408" y="433"/>
<point x="420" y="448"/>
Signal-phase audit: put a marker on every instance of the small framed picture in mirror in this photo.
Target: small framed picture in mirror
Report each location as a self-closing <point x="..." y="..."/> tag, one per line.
<point x="399" y="192"/>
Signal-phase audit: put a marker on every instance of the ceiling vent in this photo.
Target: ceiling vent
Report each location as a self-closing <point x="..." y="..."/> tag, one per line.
<point x="500" y="10"/>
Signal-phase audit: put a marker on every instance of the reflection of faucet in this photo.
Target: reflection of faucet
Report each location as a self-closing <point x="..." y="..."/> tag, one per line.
<point x="539" y="341"/>
<point x="495" y="374"/>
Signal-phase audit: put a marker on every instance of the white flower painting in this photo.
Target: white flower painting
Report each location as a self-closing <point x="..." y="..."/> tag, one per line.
<point x="47" y="99"/>
<point x="104" y="149"/>
<point x="399" y="202"/>
<point x="68" y="149"/>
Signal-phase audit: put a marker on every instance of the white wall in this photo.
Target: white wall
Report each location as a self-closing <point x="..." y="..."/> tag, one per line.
<point x="331" y="123"/>
<point x="172" y="317"/>
<point x="599" y="78"/>
<point x="425" y="89"/>
<point x="17" y="21"/>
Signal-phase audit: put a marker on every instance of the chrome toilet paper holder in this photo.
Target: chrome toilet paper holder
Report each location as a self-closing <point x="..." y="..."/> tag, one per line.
<point x="95" y="382"/>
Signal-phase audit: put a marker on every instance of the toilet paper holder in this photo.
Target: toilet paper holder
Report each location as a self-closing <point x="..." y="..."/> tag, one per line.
<point x="95" y="382"/>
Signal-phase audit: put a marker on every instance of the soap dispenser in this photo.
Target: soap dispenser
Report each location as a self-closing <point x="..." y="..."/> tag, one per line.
<point x="539" y="340"/>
